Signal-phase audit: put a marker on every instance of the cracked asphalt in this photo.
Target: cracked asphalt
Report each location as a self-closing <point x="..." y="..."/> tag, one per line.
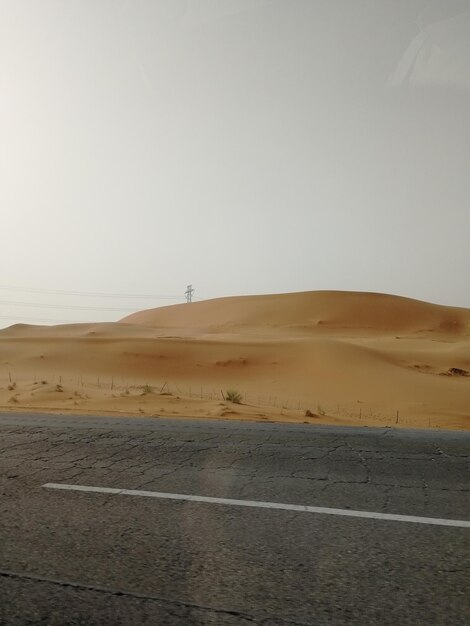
<point x="81" y="558"/>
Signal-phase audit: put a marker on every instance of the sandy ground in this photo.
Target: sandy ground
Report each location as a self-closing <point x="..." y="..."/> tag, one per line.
<point x="343" y="357"/>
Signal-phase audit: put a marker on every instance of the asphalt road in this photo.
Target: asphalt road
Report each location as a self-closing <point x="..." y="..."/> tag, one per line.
<point x="70" y="557"/>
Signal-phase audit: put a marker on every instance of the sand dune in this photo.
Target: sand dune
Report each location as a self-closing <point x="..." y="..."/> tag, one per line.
<point x="346" y="357"/>
<point x="312" y="311"/>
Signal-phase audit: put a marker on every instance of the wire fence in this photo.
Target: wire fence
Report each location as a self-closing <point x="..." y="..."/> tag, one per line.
<point x="115" y="386"/>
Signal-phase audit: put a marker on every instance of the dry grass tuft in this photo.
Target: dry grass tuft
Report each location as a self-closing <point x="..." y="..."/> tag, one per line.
<point x="232" y="395"/>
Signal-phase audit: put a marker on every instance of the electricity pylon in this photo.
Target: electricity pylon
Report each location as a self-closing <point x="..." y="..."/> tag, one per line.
<point x="189" y="294"/>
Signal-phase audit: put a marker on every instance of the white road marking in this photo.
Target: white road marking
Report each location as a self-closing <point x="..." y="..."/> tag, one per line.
<point x="263" y="505"/>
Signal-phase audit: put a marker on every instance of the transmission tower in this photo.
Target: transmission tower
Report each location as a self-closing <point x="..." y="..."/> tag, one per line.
<point x="189" y="294"/>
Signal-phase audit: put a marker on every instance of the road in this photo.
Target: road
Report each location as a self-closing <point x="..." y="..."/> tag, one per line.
<point x="81" y="557"/>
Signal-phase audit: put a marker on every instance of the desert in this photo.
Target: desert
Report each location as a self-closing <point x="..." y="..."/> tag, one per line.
<point x="349" y="358"/>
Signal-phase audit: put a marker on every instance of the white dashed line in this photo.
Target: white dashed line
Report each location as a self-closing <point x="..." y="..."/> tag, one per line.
<point x="263" y="505"/>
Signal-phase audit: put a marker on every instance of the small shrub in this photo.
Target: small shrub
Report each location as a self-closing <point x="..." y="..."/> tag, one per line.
<point x="457" y="371"/>
<point x="59" y="388"/>
<point x="232" y="395"/>
<point x="308" y="413"/>
<point x="43" y="382"/>
<point x="146" y="389"/>
<point x="321" y="410"/>
<point x="12" y="386"/>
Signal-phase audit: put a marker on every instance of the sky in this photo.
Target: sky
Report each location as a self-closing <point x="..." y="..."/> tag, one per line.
<point x="243" y="146"/>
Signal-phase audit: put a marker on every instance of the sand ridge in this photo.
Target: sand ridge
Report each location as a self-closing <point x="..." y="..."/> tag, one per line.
<point x="345" y="357"/>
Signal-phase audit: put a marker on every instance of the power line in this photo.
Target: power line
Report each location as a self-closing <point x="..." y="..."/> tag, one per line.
<point x="90" y="293"/>
<point x="65" y="306"/>
<point x="189" y="297"/>
<point x="42" y="319"/>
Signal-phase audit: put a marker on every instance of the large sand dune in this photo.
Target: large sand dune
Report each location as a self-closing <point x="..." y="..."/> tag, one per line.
<point x="346" y="357"/>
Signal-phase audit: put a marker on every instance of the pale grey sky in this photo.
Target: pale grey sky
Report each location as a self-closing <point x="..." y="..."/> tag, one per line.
<point x="245" y="146"/>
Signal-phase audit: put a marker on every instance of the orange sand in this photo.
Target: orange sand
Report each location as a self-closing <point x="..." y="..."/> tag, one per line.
<point x="349" y="358"/>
